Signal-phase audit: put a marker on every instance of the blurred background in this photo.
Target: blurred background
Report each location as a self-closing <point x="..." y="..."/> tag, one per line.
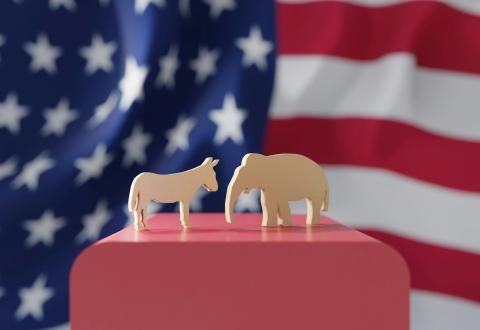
<point x="385" y="94"/>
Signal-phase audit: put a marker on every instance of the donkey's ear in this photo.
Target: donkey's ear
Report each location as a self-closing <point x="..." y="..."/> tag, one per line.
<point x="215" y="162"/>
<point x="207" y="160"/>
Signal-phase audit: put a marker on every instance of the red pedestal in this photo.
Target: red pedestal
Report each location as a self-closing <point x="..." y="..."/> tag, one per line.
<point x="220" y="276"/>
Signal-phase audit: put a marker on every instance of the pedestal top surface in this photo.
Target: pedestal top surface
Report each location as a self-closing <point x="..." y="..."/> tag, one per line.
<point x="215" y="276"/>
<point x="212" y="227"/>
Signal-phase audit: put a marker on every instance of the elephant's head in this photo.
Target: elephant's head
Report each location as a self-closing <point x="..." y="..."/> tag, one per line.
<point x="246" y="176"/>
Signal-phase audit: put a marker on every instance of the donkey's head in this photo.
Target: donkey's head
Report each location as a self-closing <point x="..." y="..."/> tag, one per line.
<point x="209" y="176"/>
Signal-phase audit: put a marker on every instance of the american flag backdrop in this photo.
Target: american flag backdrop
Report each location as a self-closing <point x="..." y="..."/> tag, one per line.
<point x="384" y="93"/>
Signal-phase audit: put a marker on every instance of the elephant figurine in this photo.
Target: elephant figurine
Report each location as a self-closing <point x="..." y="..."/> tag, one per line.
<point x="281" y="178"/>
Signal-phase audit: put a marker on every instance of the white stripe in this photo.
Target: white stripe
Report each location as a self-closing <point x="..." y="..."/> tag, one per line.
<point x="392" y="87"/>
<point x="431" y="311"/>
<point x="374" y="198"/>
<point x="469" y="6"/>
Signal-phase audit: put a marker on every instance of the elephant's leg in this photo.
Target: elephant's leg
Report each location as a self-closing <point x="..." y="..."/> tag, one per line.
<point x="284" y="215"/>
<point x="137" y="219"/>
<point x="270" y="210"/>
<point x="144" y="211"/>
<point x="313" y="210"/>
<point x="184" y="214"/>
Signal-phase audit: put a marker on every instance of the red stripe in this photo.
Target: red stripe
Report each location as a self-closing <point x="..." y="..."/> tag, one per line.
<point x="435" y="268"/>
<point x="438" y="35"/>
<point x="379" y="143"/>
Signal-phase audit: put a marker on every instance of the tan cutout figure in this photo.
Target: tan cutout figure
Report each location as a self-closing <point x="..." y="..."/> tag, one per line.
<point x="170" y="188"/>
<point x="280" y="178"/>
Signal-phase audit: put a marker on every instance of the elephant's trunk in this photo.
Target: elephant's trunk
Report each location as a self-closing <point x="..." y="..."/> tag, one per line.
<point x="233" y="192"/>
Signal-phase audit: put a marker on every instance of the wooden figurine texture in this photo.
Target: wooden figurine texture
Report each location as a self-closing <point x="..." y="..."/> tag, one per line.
<point x="281" y="178"/>
<point x="169" y="188"/>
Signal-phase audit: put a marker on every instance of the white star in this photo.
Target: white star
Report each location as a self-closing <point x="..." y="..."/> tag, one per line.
<point x="43" y="54"/>
<point x="255" y="49"/>
<point x="93" y="223"/>
<point x="184" y="8"/>
<point x="8" y="168"/>
<point x="2" y="42"/>
<point x="69" y="5"/>
<point x="141" y="5"/>
<point x="204" y="64"/>
<point x="196" y="201"/>
<point x="229" y="121"/>
<point x="104" y="3"/>
<point x="33" y="299"/>
<point x="93" y="166"/>
<point x="58" y="118"/>
<point x="102" y="111"/>
<point x="131" y="84"/>
<point x="135" y="146"/>
<point x="32" y="171"/>
<point x="2" y="291"/>
<point x="169" y="65"/>
<point x="218" y="6"/>
<point x="11" y="113"/>
<point x="178" y="136"/>
<point x="43" y="230"/>
<point x="248" y="201"/>
<point x="98" y="55"/>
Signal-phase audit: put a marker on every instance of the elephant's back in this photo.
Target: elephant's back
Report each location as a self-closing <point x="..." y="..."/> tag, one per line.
<point x="298" y="168"/>
<point x="293" y="161"/>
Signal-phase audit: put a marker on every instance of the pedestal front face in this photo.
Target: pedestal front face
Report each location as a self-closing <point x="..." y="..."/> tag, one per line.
<point x="220" y="276"/>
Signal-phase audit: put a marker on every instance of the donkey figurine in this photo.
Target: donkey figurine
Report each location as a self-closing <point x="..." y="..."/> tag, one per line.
<point x="170" y="188"/>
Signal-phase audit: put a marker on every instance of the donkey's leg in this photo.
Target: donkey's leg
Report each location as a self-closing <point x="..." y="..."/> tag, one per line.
<point x="142" y="208"/>
<point x="284" y="214"/>
<point x="143" y="218"/>
<point x="137" y="213"/>
<point x="184" y="213"/>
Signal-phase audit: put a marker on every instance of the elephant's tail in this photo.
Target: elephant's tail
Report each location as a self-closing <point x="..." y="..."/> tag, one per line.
<point x="325" y="202"/>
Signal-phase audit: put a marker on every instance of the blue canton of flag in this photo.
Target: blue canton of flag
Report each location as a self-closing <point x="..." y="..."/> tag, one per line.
<point x="94" y="92"/>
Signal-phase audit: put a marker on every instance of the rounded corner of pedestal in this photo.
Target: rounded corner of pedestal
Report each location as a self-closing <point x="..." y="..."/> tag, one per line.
<point x="396" y="260"/>
<point x="86" y="256"/>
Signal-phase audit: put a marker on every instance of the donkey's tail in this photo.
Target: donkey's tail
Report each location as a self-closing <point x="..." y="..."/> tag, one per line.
<point x="133" y="197"/>
<point x="325" y="202"/>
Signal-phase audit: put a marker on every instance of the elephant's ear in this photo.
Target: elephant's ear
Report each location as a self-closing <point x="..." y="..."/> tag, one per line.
<point x="251" y="158"/>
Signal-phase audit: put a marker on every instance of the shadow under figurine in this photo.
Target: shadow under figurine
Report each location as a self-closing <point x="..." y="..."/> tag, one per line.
<point x="281" y="178"/>
<point x="169" y="188"/>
